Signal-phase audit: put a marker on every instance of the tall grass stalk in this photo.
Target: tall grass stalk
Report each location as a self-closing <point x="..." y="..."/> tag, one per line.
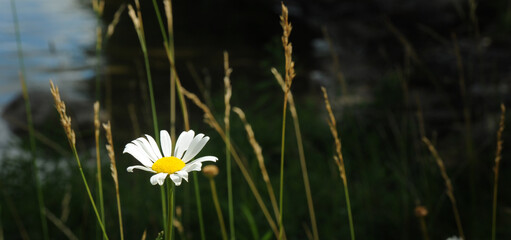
<point x="113" y="169"/>
<point x="211" y="121"/>
<point x="227" y="114"/>
<point x="448" y="185"/>
<point x="136" y="18"/>
<point x="301" y="152"/>
<point x="98" y="7"/>
<point x="28" y="109"/>
<point x="498" y="157"/>
<point x="339" y="160"/>
<point x="71" y="137"/>
<point x="260" y="158"/>
<point x="290" y="74"/>
<point x="98" y="161"/>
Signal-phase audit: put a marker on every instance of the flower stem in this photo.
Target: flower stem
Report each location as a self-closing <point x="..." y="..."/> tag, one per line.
<point x="164" y="207"/>
<point x="170" y="202"/>
<point x="35" y="170"/>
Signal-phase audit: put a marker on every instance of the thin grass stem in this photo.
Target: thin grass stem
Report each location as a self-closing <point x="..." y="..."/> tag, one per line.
<point x="136" y="18"/>
<point x="71" y="137"/>
<point x="75" y="153"/>
<point x="98" y="6"/>
<point x="498" y="158"/>
<point x="448" y="185"/>
<point x="301" y="152"/>
<point x="113" y="169"/>
<point x="199" y="205"/>
<point x="170" y="202"/>
<point x="98" y="161"/>
<point x="227" y="99"/>
<point x="28" y="109"/>
<point x="339" y="160"/>
<point x="217" y="207"/>
<point x="290" y="74"/>
<point x="260" y="158"/>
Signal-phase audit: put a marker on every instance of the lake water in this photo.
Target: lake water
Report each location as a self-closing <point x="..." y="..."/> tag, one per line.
<point x="55" y="35"/>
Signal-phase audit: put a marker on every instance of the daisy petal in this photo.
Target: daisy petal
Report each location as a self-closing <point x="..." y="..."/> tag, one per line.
<point x="192" y="167"/>
<point x="130" y="169"/>
<point x="195" y="147"/>
<point x="142" y="150"/>
<point x="147" y="148"/>
<point x="158" y="178"/>
<point x="183" y="142"/>
<point x="176" y="179"/>
<point x="154" y="146"/>
<point x="203" y="159"/>
<point x="166" y="143"/>
<point x="138" y="154"/>
<point x="183" y="174"/>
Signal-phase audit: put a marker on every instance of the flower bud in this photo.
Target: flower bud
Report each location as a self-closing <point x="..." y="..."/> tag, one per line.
<point x="421" y="211"/>
<point x="210" y="171"/>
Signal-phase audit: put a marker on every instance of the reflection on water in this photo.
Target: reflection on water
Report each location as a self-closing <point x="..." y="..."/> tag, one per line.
<point x="54" y="34"/>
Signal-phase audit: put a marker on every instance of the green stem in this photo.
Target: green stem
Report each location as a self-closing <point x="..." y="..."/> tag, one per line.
<point x="348" y="206"/>
<point x="282" y="148"/>
<point x="98" y="97"/>
<point x="88" y="191"/>
<point x="164" y="208"/>
<point x="40" y="196"/>
<point x="160" y="22"/>
<point x="170" y="202"/>
<point x="218" y="209"/>
<point x="199" y="205"/>
<point x="141" y="38"/>
<point x="151" y="92"/>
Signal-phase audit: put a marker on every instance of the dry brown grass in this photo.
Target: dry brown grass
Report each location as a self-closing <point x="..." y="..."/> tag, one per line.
<point x="448" y="185"/>
<point x="260" y="159"/>
<point x="339" y="160"/>
<point x="113" y="168"/>
<point x="498" y="158"/>
<point x="65" y="120"/>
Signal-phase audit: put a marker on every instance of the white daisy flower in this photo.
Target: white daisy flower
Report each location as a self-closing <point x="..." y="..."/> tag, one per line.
<point x="175" y="164"/>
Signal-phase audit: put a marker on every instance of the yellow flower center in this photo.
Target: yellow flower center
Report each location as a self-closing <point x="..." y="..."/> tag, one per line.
<point x="168" y="165"/>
